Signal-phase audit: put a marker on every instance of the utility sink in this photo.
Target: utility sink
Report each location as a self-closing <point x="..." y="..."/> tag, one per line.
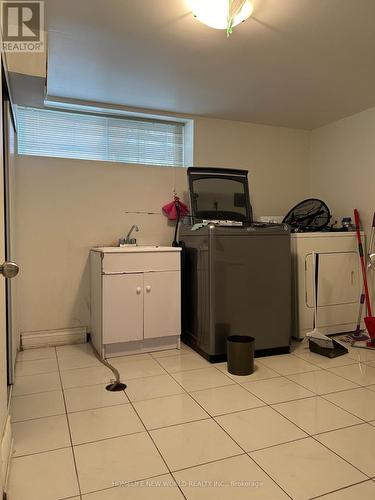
<point x="135" y="249"/>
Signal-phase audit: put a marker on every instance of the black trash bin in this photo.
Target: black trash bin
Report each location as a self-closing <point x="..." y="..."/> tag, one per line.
<point x="240" y="354"/>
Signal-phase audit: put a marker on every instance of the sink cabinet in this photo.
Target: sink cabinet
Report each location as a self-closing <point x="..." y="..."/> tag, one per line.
<point x="135" y="300"/>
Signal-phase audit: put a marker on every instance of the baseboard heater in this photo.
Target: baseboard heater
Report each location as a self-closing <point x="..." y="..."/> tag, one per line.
<point x="51" y="338"/>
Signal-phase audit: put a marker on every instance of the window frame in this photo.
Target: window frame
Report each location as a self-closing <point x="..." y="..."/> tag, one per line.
<point x="115" y="117"/>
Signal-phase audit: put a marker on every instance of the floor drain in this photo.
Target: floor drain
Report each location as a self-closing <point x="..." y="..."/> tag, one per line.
<point x="116" y="387"/>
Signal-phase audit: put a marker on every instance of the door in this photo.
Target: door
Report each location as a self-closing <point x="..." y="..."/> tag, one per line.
<point x="162" y="304"/>
<point x="339" y="288"/>
<point x="3" y="311"/>
<point x="7" y="270"/>
<point x="9" y="136"/>
<point x="122" y="308"/>
<point x="339" y="281"/>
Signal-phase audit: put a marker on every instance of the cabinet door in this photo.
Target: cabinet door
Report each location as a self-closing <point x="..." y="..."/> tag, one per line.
<point x="162" y="304"/>
<point x="339" y="280"/>
<point x="122" y="308"/>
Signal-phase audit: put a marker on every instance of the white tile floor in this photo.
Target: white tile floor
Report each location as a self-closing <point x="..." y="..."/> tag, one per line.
<point x="300" y="427"/>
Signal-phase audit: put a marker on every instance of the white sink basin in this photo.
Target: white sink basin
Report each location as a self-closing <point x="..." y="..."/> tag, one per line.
<point x="135" y="248"/>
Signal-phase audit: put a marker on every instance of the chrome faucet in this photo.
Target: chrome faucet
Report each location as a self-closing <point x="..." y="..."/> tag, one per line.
<point x="128" y="240"/>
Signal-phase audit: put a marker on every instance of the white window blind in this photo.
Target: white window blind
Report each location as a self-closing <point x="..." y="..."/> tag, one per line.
<point x="62" y="134"/>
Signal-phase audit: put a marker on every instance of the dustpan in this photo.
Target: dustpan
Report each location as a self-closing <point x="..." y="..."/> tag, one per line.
<point x="370" y="325"/>
<point x="330" y="352"/>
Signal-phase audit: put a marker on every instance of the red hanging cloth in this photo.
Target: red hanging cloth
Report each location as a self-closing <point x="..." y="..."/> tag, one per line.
<point x="175" y="210"/>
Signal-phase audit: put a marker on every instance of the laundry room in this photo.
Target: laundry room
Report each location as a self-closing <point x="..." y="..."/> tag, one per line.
<point x="188" y="250"/>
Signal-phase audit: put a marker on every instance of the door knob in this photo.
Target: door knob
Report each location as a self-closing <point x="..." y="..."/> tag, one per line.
<point x="148" y="288"/>
<point x="139" y="290"/>
<point x="9" y="269"/>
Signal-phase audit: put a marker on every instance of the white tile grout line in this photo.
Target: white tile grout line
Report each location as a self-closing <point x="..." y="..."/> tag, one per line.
<point x="152" y="440"/>
<point x="343" y="489"/>
<point x="126" y="402"/>
<point x="209" y="418"/>
<point x="148" y="432"/>
<point x="278" y="374"/>
<point x="220" y="460"/>
<point x="70" y="436"/>
<point x="344" y="409"/>
<point x="133" y="482"/>
<point x="323" y="396"/>
<point x="358" y="386"/>
<point x="316" y="440"/>
<point x="39" y="359"/>
<point x="166" y="373"/>
<point x="213" y="418"/>
<point x="77" y="445"/>
<point x="69" y="498"/>
<point x="35" y="393"/>
<point x="68" y="447"/>
<point x="37" y="418"/>
<point x="50" y="372"/>
<point x="313" y="435"/>
<point x="161" y="456"/>
<point x="114" y="437"/>
<point x="307" y="437"/>
<point x="91" y="385"/>
<point x="308" y="434"/>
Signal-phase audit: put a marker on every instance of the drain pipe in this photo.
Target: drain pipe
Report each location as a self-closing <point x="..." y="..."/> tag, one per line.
<point x="115" y="385"/>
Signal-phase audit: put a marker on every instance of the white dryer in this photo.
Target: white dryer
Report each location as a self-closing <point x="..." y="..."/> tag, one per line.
<point x="339" y="287"/>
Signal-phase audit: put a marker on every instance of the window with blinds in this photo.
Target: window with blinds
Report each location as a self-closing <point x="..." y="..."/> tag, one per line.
<point x="62" y="134"/>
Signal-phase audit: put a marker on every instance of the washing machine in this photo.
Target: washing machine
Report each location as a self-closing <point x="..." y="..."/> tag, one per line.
<point x="236" y="273"/>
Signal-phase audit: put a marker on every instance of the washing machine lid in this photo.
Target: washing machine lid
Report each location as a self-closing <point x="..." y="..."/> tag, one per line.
<point x="219" y="194"/>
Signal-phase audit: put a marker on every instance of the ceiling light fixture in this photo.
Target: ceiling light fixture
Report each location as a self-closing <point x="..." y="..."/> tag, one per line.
<point x="222" y="14"/>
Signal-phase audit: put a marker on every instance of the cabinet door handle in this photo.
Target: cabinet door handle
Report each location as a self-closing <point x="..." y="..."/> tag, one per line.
<point x="139" y="290"/>
<point x="148" y="289"/>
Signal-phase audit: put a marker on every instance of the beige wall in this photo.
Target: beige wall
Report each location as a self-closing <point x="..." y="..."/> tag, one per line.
<point x="342" y="165"/>
<point x="64" y="207"/>
<point x="276" y="158"/>
<point x="342" y="168"/>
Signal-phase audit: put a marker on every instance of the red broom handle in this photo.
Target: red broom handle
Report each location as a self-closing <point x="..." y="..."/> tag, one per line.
<point x="362" y="259"/>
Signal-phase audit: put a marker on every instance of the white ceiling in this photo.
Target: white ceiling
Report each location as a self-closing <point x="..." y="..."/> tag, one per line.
<point x="295" y="63"/>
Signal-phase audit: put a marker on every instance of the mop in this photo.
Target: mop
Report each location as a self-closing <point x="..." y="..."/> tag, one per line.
<point x="369" y="319"/>
<point x="358" y="335"/>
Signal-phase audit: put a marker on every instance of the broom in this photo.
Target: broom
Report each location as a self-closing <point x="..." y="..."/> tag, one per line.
<point x="357" y="335"/>
<point x="369" y="320"/>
